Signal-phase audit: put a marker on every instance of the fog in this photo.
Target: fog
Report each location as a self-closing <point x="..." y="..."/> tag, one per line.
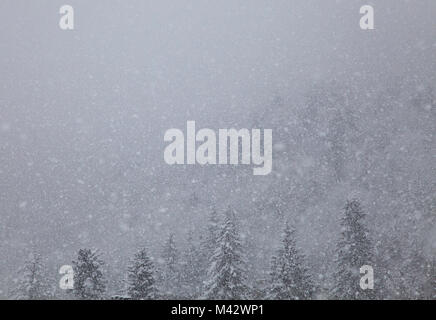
<point x="83" y="115"/>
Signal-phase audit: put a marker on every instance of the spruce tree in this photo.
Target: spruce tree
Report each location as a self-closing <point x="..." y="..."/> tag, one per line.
<point x="171" y="275"/>
<point x="32" y="281"/>
<point x="208" y="244"/>
<point x="89" y="282"/>
<point x="141" y="278"/>
<point x="432" y="279"/>
<point x="354" y="250"/>
<point x="227" y="272"/>
<point x="191" y="273"/>
<point x="290" y="279"/>
<point x="212" y="233"/>
<point x="428" y="287"/>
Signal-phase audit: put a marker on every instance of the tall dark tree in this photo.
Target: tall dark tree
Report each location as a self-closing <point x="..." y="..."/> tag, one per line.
<point x="290" y="279"/>
<point x="89" y="282"/>
<point x="226" y="278"/>
<point x="141" y="283"/>
<point x="354" y="250"/>
<point x="32" y="281"/>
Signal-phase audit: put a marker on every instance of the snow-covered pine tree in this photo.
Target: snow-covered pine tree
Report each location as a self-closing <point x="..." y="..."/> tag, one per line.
<point x="89" y="282"/>
<point x="212" y="233"/>
<point x="208" y="243"/>
<point x="432" y="279"/>
<point x="141" y="283"/>
<point x="354" y="250"/>
<point x="226" y="279"/>
<point x="171" y="274"/>
<point x="276" y="283"/>
<point x="290" y="279"/>
<point x="428" y="287"/>
<point x="32" y="281"/>
<point x="415" y="274"/>
<point x="191" y="273"/>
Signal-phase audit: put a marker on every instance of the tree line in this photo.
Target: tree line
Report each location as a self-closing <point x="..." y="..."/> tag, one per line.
<point x="216" y="268"/>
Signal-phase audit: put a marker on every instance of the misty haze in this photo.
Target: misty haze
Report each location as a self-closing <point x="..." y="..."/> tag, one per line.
<point x="85" y="190"/>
